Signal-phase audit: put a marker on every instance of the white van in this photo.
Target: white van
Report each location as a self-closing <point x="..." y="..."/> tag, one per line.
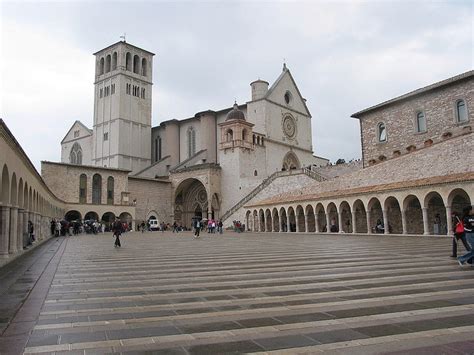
<point x="154" y="226"/>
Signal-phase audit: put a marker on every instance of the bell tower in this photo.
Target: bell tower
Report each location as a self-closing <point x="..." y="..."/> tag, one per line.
<point x="122" y="107"/>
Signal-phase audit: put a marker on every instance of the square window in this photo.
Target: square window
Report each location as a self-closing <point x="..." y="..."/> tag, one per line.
<point x="106" y="136"/>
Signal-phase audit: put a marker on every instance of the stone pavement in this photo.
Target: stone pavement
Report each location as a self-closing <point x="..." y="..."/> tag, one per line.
<point x="252" y="293"/>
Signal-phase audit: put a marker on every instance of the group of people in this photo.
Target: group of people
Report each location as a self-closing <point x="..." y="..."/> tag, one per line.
<point x="211" y="225"/>
<point x="464" y="232"/>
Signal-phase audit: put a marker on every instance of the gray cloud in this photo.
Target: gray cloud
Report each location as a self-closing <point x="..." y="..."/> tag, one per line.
<point x="345" y="56"/>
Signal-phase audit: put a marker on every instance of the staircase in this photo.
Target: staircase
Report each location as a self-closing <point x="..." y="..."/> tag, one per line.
<point x="268" y="181"/>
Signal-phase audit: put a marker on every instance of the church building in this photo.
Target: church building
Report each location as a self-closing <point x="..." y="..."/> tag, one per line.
<point x="203" y="165"/>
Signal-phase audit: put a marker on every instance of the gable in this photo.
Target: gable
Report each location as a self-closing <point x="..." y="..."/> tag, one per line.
<point x="286" y="84"/>
<point x="77" y="130"/>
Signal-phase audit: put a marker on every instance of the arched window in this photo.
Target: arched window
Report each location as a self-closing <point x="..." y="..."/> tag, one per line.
<point x="101" y="66"/>
<point x="144" y="67"/>
<point x="128" y="61"/>
<point x="461" y="111"/>
<point x="381" y="132"/>
<point x="107" y="63"/>
<point x="258" y="140"/>
<point x="244" y="134"/>
<point x="96" y="189"/>
<point x="75" y="156"/>
<point x="136" y="64"/>
<point x="229" y="135"/>
<point x="420" y="122"/>
<point x="83" y="188"/>
<point x="110" y="190"/>
<point x="255" y="173"/>
<point x="191" y="142"/>
<point x="114" y="61"/>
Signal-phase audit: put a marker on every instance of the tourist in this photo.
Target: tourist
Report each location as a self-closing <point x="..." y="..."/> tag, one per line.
<point x="468" y="222"/>
<point x="142" y="226"/>
<point x="117" y="230"/>
<point x="333" y="228"/>
<point x="219" y="226"/>
<point x="437" y="224"/>
<point x="31" y="233"/>
<point x="57" y="229"/>
<point x="175" y="227"/>
<point x="53" y="226"/>
<point x="197" y="228"/>
<point x="458" y="236"/>
<point x="379" y="227"/>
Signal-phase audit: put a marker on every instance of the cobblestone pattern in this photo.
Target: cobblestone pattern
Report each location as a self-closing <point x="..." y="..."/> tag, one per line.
<point x="256" y="293"/>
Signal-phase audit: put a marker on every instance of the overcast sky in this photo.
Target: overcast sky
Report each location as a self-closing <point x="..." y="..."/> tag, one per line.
<point x="344" y="56"/>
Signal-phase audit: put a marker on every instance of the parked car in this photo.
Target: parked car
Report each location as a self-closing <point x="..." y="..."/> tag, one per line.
<point x="154" y="225"/>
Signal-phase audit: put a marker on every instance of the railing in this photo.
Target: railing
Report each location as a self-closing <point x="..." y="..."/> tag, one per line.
<point x="267" y="182"/>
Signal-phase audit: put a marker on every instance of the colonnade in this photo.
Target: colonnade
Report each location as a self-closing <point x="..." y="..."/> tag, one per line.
<point x="424" y="211"/>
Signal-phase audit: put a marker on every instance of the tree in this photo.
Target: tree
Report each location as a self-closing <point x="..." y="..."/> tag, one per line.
<point x="340" y="161"/>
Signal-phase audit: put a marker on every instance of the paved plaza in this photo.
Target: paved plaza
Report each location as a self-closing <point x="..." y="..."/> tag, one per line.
<point x="238" y="293"/>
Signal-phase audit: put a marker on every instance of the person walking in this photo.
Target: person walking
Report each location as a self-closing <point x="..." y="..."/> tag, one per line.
<point x="468" y="222"/>
<point x="458" y="235"/>
<point x="220" y="225"/>
<point x="197" y="228"/>
<point x="117" y="230"/>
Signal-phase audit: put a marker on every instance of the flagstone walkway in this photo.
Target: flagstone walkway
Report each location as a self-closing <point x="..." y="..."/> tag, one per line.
<point x="238" y="293"/>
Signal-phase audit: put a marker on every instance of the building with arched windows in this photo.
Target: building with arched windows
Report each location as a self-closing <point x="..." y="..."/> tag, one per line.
<point x="215" y="162"/>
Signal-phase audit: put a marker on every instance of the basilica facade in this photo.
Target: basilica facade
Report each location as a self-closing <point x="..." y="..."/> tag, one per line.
<point x="204" y="165"/>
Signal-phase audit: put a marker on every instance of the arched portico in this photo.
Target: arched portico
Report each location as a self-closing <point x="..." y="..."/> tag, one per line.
<point x="91" y="216"/>
<point x="394" y="215"/>
<point x="310" y="219"/>
<point x="413" y="215"/>
<point x="292" y="220"/>
<point x="375" y="214"/>
<point x="73" y="215"/>
<point x="332" y="216"/>
<point x="436" y="213"/>
<point x="276" y="220"/>
<point x="283" y="220"/>
<point x="345" y="217"/>
<point x="321" y="221"/>
<point x="359" y="216"/>
<point x="268" y="221"/>
<point x="300" y="219"/>
<point x="190" y="200"/>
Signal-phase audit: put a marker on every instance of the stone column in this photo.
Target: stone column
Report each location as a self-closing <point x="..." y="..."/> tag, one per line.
<point x="328" y="223"/>
<point x="404" y="222"/>
<point x="4" y="230"/>
<point x="272" y="227"/>
<point x="280" y="223"/>
<point x="339" y="217"/>
<point x="12" y="239"/>
<point x="20" y="229"/>
<point x="297" y="220"/>
<point x="426" y="227"/>
<point x="354" y="225"/>
<point x="385" y="222"/>
<point x="306" y="223"/>
<point x="316" y="222"/>
<point x="449" y="221"/>
<point x="369" y="223"/>
<point x="264" y="222"/>
<point x="288" y="229"/>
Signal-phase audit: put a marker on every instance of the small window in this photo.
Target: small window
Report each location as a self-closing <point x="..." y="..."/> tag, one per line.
<point x="113" y="89"/>
<point x="76" y="134"/>
<point x="287" y="97"/>
<point x="255" y="173"/>
<point x="101" y="93"/>
<point x="420" y="122"/>
<point x="106" y="136"/>
<point x="382" y="132"/>
<point x="461" y="111"/>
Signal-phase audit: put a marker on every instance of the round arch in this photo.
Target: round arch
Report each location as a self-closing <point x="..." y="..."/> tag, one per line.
<point x="413" y="215"/>
<point x="14" y="191"/>
<point x="375" y="214"/>
<point x="310" y="216"/>
<point x="72" y="215"/>
<point x="394" y="215"/>
<point x="360" y="215"/>
<point x="261" y="220"/>
<point x="5" y="196"/>
<point x="248" y="221"/>
<point x="190" y="199"/>
<point x="255" y="221"/>
<point x="346" y="217"/>
<point x="276" y="220"/>
<point x="321" y="218"/>
<point x="436" y="213"/>
<point x="333" y="216"/>
<point x="292" y="219"/>
<point x="108" y="218"/>
<point x="268" y="221"/>
<point x="290" y="162"/>
<point x="21" y="193"/>
<point x="91" y="215"/>
<point x="284" y="220"/>
<point x="458" y="199"/>
<point x="300" y="219"/>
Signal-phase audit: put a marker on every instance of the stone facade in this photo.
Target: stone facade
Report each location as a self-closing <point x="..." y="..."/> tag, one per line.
<point x="151" y="198"/>
<point x="437" y="103"/>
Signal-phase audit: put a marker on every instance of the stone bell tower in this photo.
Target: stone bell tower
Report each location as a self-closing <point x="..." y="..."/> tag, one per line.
<point x="122" y="107"/>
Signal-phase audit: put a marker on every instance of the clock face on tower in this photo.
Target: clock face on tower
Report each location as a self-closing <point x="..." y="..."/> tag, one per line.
<point x="289" y="126"/>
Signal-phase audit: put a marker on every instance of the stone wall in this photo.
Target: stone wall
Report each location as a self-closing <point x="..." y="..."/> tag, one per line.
<point x="151" y="197"/>
<point x="439" y="108"/>
<point x="279" y="185"/>
<point x="63" y="180"/>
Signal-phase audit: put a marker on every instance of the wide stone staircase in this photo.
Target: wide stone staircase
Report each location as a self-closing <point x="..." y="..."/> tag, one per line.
<point x="266" y="182"/>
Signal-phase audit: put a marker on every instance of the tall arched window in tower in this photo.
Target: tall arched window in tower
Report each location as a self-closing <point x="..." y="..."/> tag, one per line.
<point x="136" y="64"/>
<point x="96" y="189"/>
<point x="191" y="142"/>
<point x="108" y="60"/>
<point x="110" y="190"/>
<point x="101" y="66"/>
<point x="128" y="61"/>
<point x="114" y="61"/>
<point x="75" y="156"/>
<point x="244" y="134"/>
<point x="144" y="67"/>
<point x="83" y="188"/>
